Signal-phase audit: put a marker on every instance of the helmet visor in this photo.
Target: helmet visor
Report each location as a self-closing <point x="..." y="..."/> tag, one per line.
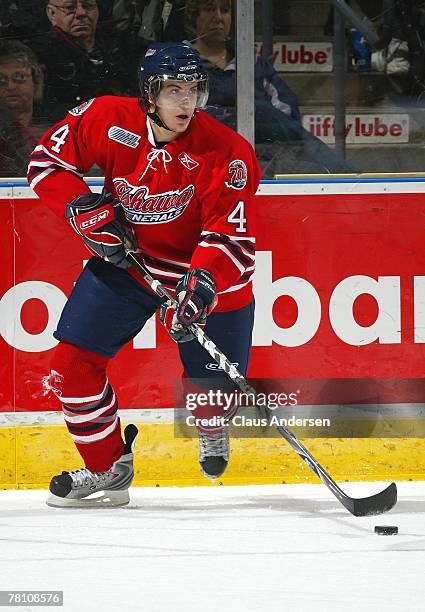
<point x="169" y="92"/>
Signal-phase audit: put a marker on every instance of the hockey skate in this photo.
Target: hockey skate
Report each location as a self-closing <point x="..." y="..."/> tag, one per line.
<point x="214" y="451"/>
<point x="81" y="488"/>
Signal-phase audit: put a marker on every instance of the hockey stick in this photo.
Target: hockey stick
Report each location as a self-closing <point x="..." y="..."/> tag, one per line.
<point x="364" y="506"/>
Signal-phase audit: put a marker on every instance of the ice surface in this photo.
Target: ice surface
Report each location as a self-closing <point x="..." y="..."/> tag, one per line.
<point x="268" y="548"/>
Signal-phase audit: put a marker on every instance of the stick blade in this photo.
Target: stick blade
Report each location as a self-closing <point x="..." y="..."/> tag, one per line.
<point x="375" y="504"/>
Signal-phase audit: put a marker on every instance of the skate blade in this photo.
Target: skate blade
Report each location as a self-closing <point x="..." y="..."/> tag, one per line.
<point x="107" y="499"/>
<point x="212" y="477"/>
<point x="209" y="477"/>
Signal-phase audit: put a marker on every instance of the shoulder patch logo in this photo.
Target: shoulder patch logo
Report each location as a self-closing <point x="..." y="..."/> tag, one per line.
<point x="79" y="110"/>
<point x="238" y="174"/>
<point x="129" y="139"/>
<point x="187" y="161"/>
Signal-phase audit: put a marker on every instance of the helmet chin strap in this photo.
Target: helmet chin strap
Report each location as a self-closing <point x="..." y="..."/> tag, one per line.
<point x="144" y="105"/>
<point x="157" y="119"/>
<point x="154" y="116"/>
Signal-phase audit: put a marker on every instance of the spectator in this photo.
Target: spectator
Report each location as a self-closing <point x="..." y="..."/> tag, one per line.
<point x="277" y="116"/>
<point x="175" y="27"/>
<point x="80" y="62"/>
<point x="404" y="20"/>
<point x="210" y="24"/>
<point x="151" y="25"/>
<point x="22" y="19"/>
<point x="147" y="19"/>
<point x="21" y="90"/>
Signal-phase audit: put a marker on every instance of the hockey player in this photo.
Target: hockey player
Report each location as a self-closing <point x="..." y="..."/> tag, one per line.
<point x="179" y="190"/>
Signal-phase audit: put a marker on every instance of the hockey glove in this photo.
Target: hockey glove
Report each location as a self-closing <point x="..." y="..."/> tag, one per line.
<point x="99" y="220"/>
<point x="197" y="298"/>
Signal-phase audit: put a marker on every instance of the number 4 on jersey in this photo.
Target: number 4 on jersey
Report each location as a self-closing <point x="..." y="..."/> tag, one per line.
<point x="238" y="216"/>
<point x="59" y="137"/>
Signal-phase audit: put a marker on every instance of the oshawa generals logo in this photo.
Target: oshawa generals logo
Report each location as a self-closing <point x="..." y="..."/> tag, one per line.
<point x="142" y="207"/>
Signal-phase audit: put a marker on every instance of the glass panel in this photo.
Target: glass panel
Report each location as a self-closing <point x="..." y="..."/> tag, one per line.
<point x="95" y="46"/>
<point x="50" y="63"/>
<point x="384" y="88"/>
<point x="21" y="86"/>
<point x="210" y="25"/>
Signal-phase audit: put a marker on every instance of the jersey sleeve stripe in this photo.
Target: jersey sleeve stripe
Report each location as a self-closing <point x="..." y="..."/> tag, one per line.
<point x="244" y="258"/>
<point x="60" y="161"/>
<point x="244" y="250"/>
<point x="167" y="278"/>
<point x="248" y="238"/>
<point x="42" y="163"/>
<point x="39" y="177"/>
<point x="226" y="251"/>
<point x="235" y="287"/>
<point x="165" y="264"/>
<point x="183" y="264"/>
<point x="247" y="246"/>
<point x="162" y="272"/>
<point x="39" y="164"/>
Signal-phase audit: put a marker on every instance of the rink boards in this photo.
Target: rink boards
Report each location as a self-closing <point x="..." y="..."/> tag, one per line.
<point x="340" y="294"/>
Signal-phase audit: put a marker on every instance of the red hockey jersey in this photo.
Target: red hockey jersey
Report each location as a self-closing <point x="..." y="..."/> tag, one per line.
<point x="191" y="202"/>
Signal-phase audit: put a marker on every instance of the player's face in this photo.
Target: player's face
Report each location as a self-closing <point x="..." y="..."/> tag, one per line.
<point x="214" y="21"/>
<point x="176" y="104"/>
<point x="16" y="87"/>
<point x="75" y="17"/>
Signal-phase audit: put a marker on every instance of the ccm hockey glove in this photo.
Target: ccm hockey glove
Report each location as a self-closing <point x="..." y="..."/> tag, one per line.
<point x="99" y="220"/>
<point x="196" y="294"/>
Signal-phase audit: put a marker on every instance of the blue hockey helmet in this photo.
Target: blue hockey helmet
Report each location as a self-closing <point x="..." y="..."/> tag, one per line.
<point x="175" y="62"/>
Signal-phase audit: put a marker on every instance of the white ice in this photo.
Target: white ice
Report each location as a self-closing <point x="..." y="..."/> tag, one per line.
<point x="268" y="548"/>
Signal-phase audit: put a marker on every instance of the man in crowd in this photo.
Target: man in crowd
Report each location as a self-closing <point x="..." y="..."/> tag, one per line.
<point x="79" y="61"/>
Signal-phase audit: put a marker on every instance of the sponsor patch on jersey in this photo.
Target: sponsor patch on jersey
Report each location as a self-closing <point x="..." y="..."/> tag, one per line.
<point x="129" y="139"/>
<point x="215" y="367"/>
<point x="187" y="161"/>
<point x="79" y="110"/>
<point x="142" y="207"/>
<point x="238" y="174"/>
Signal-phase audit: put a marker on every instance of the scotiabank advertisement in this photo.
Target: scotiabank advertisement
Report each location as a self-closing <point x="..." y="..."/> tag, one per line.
<point x="339" y="288"/>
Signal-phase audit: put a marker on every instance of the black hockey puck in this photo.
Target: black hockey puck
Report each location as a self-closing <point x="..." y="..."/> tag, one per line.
<point x="386" y="529"/>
